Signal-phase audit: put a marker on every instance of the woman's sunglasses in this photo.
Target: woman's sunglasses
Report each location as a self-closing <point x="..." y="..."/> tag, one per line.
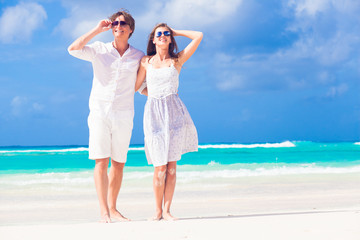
<point x="166" y="33"/>
<point x="122" y="23"/>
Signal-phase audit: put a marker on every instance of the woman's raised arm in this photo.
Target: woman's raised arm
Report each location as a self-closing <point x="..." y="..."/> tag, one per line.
<point x="196" y="38"/>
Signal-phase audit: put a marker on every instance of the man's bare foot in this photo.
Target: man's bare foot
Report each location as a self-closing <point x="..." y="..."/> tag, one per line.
<point x="168" y="217"/>
<point x="115" y="214"/>
<point x="105" y="218"/>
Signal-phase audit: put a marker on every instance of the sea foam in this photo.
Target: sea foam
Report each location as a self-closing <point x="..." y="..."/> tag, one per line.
<point x="184" y="174"/>
<point x="257" y="145"/>
<point x="206" y="146"/>
<point x="187" y="176"/>
<point x="80" y="149"/>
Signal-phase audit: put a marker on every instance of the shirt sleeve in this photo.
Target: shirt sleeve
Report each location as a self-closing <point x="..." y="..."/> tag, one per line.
<point x="142" y="87"/>
<point x="87" y="53"/>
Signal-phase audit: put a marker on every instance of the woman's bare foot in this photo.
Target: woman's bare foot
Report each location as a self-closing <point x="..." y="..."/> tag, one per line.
<point x="105" y="218"/>
<point x="115" y="214"/>
<point x="168" y="217"/>
<point x="156" y="217"/>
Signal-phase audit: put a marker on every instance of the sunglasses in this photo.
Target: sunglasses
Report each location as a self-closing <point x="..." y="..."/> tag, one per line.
<point x="166" y="33"/>
<point x="122" y="23"/>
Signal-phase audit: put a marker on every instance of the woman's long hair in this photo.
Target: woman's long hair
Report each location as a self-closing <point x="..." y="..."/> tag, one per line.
<point x="173" y="48"/>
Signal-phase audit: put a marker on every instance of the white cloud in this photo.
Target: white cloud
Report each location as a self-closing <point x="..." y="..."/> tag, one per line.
<point x="326" y="51"/>
<point x="189" y="13"/>
<point x="37" y="107"/>
<point x="81" y="20"/>
<point x="328" y="30"/>
<point x="309" y="7"/>
<point x="230" y="80"/>
<point x="328" y="41"/>
<point x="17" y="104"/>
<point x="336" y="91"/>
<point x="198" y="14"/>
<point x="21" y="106"/>
<point x="18" y="23"/>
<point x="18" y="101"/>
<point x="252" y="72"/>
<point x="325" y="77"/>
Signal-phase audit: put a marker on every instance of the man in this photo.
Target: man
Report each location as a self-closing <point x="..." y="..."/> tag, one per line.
<point x="111" y="103"/>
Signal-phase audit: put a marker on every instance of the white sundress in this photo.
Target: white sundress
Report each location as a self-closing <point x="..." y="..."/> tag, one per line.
<point x="168" y="128"/>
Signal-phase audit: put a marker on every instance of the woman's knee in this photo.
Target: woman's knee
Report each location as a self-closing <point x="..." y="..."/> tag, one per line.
<point x="171" y="169"/>
<point x="159" y="175"/>
<point x="171" y="172"/>
<point x="171" y="175"/>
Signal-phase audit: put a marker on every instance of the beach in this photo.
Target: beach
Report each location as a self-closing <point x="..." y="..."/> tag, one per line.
<point x="294" y="197"/>
<point x="330" y="226"/>
<point x="317" y="206"/>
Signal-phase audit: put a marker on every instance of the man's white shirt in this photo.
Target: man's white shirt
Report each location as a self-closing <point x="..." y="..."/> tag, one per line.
<point x="114" y="76"/>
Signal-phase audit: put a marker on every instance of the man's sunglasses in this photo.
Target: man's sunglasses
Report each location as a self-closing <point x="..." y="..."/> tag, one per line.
<point x="122" y="23"/>
<point x="166" y="33"/>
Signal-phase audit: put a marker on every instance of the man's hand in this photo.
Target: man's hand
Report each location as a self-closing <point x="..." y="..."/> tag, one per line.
<point x="104" y="25"/>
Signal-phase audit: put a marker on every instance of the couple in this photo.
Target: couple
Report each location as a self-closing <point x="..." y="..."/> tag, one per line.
<point x="120" y="70"/>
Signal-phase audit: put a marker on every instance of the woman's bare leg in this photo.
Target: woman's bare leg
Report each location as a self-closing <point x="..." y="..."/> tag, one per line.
<point x="101" y="185"/>
<point x="170" y="183"/>
<point x="159" y="186"/>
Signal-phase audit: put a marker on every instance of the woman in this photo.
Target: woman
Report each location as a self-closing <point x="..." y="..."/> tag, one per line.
<point x="168" y="128"/>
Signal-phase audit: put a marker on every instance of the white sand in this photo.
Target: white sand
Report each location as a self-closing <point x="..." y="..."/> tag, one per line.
<point x="332" y="225"/>
<point x="314" y="206"/>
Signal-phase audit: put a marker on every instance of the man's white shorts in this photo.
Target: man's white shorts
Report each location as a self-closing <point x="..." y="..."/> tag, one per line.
<point x="109" y="136"/>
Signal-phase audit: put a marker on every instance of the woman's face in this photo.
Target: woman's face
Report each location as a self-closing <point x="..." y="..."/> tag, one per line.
<point x="162" y="36"/>
<point x="121" y="30"/>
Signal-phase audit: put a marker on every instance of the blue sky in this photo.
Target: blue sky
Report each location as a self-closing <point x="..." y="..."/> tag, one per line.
<point x="266" y="71"/>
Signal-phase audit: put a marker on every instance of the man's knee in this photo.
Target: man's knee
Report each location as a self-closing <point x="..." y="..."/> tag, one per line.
<point x="117" y="166"/>
<point x="101" y="165"/>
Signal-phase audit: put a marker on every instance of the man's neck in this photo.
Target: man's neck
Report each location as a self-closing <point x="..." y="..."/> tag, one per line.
<point x="121" y="45"/>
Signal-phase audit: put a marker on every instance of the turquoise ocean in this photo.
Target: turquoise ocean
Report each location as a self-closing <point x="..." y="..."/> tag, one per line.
<point x="64" y="164"/>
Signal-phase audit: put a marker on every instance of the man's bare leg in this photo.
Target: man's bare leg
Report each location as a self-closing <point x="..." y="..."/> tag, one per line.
<point x="170" y="183"/>
<point x="115" y="180"/>
<point x="101" y="185"/>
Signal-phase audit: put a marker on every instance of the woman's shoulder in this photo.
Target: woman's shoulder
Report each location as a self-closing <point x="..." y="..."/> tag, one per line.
<point x="145" y="59"/>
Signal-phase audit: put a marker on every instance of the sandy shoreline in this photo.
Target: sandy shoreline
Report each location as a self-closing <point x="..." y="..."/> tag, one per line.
<point x="312" y="206"/>
<point x="317" y="225"/>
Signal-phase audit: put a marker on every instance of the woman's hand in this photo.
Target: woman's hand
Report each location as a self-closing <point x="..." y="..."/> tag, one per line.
<point x="174" y="32"/>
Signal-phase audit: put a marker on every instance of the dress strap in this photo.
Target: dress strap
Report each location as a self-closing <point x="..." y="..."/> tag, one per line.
<point x="171" y="62"/>
<point x="150" y="63"/>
